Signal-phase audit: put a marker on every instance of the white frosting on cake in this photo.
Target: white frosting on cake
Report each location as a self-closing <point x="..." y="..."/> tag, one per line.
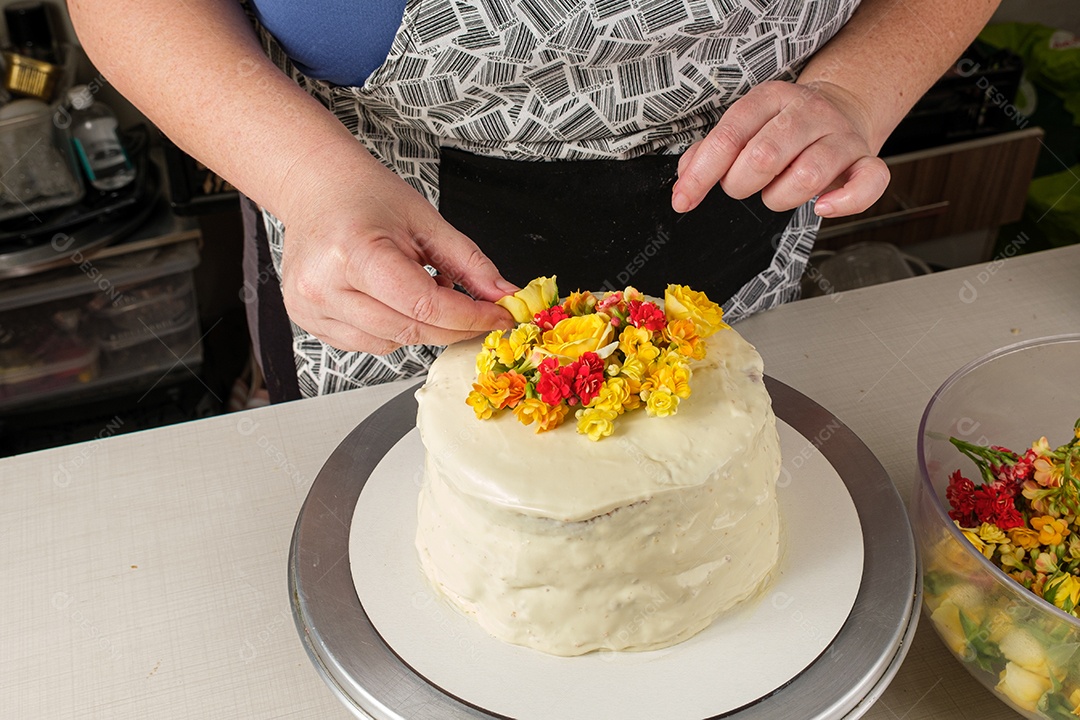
<point x="634" y="542"/>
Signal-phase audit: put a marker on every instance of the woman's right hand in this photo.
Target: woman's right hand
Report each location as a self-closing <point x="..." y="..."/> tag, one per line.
<point x="356" y="239"/>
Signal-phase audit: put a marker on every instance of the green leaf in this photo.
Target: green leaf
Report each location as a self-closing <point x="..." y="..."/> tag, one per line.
<point x="1054" y="706"/>
<point x="987" y="654"/>
<point x="936" y="582"/>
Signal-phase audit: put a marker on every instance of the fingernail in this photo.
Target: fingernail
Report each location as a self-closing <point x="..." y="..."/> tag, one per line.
<point x="823" y="208"/>
<point x="680" y="202"/>
<point x="507" y="287"/>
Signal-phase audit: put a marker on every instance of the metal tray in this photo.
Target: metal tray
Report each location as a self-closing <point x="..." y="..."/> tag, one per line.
<point x="373" y="682"/>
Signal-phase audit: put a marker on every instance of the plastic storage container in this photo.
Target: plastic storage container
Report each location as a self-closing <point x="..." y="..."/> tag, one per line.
<point x="148" y="324"/>
<point x="36" y="159"/>
<point x="119" y="320"/>
<point x="45" y="349"/>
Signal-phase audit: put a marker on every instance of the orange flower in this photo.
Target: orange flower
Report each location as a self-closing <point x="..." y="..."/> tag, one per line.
<point x="505" y="390"/>
<point x="579" y="303"/>
<point x="546" y="416"/>
<point x="1051" y="530"/>
<point x="683" y="336"/>
<point x="1024" y="537"/>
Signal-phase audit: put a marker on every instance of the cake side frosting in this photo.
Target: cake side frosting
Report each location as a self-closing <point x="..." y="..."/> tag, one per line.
<point x="634" y="543"/>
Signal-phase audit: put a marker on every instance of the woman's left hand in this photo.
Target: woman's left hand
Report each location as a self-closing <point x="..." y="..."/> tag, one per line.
<point x="792" y="142"/>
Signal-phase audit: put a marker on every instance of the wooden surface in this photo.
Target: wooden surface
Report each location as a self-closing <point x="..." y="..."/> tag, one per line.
<point x="950" y="190"/>
<point x="145" y="574"/>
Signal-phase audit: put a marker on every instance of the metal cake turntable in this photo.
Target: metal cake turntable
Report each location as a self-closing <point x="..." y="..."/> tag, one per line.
<point x="374" y="682"/>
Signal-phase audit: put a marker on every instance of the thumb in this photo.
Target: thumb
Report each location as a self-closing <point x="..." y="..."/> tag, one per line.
<point x="456" y="256"/>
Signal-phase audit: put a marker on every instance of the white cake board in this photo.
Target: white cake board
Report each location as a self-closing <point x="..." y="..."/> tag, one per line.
<point x="743" y="656"/>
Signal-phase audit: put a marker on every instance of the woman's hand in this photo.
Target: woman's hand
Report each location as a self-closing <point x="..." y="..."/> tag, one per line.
<point x="356" y="241"/>
<point x="356" y="236"/>
<point x="792" y="142"/>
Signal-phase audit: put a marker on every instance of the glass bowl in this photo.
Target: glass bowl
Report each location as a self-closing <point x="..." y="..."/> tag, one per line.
<point x="1021" y="647"/>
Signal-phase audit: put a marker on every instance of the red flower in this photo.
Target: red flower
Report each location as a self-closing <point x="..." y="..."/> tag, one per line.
<point x="549" y="318"/>
<point x="588" y="376"/>
<point x="646" y="315"/>
<point x="960" y="497"/>
<point x="593" y="362"/>
<point x="1009" y="518"/>
<point x="1024" y="468"/>
<point x="994" y="504"/>
<point x="554" y="384"/>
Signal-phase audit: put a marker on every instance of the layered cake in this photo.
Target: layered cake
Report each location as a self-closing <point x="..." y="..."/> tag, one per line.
<point x="635" y="536"/>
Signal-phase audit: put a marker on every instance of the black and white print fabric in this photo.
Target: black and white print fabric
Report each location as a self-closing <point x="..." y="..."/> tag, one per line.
<point x="538" y="80"/>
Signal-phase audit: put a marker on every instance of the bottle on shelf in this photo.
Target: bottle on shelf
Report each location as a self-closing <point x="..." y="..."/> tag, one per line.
<point x="94" y="133"/>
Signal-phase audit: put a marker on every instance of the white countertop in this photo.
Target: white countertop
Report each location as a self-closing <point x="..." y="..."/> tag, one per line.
<point x="144" y="575"/>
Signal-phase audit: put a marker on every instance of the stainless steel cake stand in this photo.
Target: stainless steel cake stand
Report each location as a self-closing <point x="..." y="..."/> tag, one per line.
<point x="374" y="682"/>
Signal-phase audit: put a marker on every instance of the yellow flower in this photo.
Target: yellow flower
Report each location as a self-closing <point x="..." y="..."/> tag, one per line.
<point x="946" y="620"/>
<point x="1062" y="589"/>
<point x="1042" y="447"/>
<point x="1021" y="647"/>
<point x="662" y="403"/>
<point x="973" y="538"/>
<point x="680" y="379"/>
<point x="992" y="534"/>
<point x="596" y="422"/>
<point x="576" y="335"/>
<point x="479" y="404"/>
<point x="1045" y="564"/>
<point x="521" y="340"/>
<point x="545" y="416"/>
<point x="634" y="369"/>
<point x="615" y="395"/>
<point x="1011" y="557"/>
<point x="491" y="341"/>
<point x="682" y="303"/>
<point x="1024" y="537"/>
<point x="669" y="372"/>
<point x="631" y="294"/>
<point x="637" y="342"/>
<point x="1051" y="530"/>
<point x="485" y="361"/>
<point x="1074" y="700"/>
<point x="1022" y="686"/>
<point x="540" y="294"/>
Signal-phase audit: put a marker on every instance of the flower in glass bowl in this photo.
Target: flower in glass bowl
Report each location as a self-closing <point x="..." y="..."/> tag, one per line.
<point x="999" y="546"/>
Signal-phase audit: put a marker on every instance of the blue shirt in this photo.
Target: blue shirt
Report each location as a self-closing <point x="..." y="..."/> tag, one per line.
<point x="338" y="41"/>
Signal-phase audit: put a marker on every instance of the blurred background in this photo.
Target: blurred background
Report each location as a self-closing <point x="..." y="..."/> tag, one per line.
<point x="121" y="293"/>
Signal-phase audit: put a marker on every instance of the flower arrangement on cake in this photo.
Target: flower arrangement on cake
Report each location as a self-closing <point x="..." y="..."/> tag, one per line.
<point x="600" y="356"/>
